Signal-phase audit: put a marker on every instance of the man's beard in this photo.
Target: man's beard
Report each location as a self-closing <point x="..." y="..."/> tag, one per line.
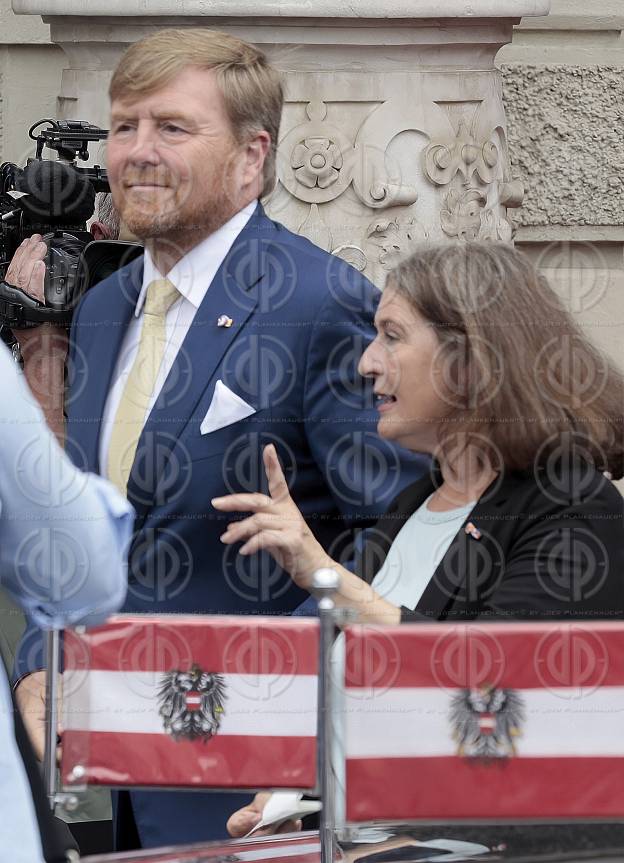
<point x="178" y="221"/>
<point x="174" y="222"/>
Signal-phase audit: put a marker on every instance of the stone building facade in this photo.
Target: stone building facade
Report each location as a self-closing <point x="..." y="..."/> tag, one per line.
<point x="563" y="93"/>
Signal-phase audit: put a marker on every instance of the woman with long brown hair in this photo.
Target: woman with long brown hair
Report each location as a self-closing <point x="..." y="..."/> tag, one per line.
<point x="476" y="362"/>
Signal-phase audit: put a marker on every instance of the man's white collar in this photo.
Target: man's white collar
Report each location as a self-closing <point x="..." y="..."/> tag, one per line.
<point x="194" y="272"/>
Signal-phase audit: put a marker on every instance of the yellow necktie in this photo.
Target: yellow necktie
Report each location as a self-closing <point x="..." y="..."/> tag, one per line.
<point x="135" y="399"/>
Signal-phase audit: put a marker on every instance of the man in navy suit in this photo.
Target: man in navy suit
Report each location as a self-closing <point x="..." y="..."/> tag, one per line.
<point x="230" y="333"/>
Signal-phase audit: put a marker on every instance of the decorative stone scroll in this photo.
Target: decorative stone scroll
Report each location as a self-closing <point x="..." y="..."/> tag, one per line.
<point x="393" y="130"/>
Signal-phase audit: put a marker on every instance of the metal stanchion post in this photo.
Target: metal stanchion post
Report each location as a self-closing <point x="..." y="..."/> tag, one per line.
<point x="325" y="583"/>
<point x="69" y="802"/>
<point x="53" y="655"/>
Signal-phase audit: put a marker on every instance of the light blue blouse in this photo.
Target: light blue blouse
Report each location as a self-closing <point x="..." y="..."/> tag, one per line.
<point x="416" y="552"/>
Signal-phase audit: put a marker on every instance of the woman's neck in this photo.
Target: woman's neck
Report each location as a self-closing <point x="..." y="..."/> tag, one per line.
<point x="463" y="480"/>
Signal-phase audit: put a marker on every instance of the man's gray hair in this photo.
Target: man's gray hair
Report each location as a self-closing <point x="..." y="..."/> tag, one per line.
<point x="107" y="213"/>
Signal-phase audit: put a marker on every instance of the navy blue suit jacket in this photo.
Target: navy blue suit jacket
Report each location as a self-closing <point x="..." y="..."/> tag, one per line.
<point x="301" y="320"/>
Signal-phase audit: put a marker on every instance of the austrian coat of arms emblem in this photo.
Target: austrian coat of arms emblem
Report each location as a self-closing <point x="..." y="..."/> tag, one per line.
<point x="192" y="703"/>
<point x="487" y="722"/>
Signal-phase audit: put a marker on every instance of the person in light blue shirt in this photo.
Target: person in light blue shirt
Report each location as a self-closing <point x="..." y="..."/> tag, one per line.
<point x="63" y="542"/>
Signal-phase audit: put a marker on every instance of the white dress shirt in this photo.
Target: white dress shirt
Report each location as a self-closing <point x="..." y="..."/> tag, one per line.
<point x="63" y="540"/>
<point x="192" y="276"/>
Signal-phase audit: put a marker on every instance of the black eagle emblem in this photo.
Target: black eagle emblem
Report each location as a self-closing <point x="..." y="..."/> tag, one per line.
<point x="486" y="722"/>
<point x="191" y="703"/>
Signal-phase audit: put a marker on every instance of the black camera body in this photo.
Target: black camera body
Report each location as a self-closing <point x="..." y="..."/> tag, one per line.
<point x="54" y="198"/>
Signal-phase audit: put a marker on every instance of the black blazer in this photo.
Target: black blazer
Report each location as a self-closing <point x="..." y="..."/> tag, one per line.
<point x="548" y="544"/>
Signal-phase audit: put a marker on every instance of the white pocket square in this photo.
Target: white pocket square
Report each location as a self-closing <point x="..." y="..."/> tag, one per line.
<point x="225" y="408"/>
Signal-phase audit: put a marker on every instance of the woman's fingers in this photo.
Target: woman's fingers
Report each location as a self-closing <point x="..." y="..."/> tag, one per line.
<point x="237" y="531"/>
<point x="241" y="502"/>
<point x="265" y="540"/>
<point x="278" y="487"/>
<point x="275" y="524"/>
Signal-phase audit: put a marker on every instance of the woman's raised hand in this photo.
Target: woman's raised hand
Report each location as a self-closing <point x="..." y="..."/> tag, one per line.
<point x="275" y="525"/>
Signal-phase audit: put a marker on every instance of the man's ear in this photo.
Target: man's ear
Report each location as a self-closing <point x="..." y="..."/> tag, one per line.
<point x="99" y="231"/>
<point x="256" y="151"/>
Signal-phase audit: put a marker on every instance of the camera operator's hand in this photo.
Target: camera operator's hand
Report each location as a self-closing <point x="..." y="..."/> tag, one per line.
<point x="43" y="348"/>
<point x="27" y="268"/>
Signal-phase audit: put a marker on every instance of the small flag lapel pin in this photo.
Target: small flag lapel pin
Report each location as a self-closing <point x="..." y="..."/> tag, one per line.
<point x="472" y="531"/>
<point x="224" y="321"/>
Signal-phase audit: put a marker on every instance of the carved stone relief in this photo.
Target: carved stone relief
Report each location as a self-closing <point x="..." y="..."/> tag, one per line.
<point x="451" y="177"/>
<point x="393" y="238"/>
<point x="463" y="155"/>
<point x="316" y="229"/>
<point x="353" y="255"/>
<point x="317" y="158"/>
<point x="479" y="189"/>
<point x="323" y="163"/>
<point x="461" y="211"/>
<point x="477" y="214"/>
<point x="316" y="162"/>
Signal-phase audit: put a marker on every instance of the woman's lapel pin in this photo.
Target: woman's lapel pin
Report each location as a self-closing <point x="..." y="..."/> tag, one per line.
<point x="472" y="531"/>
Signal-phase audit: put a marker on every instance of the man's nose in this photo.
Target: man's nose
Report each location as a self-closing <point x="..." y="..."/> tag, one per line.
<point x="144" y="147"/>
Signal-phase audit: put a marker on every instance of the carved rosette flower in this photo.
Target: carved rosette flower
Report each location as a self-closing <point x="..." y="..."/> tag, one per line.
<point x="316" y="162"/>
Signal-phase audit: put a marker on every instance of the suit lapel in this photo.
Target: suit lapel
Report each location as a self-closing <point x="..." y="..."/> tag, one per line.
<point x="234" y="293"/>
<point x="104" y="344"/>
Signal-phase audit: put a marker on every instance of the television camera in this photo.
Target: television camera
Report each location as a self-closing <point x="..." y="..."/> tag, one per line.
<point x="55" y="198"/>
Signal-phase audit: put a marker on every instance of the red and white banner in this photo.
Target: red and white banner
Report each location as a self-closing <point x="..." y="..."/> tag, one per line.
<point x="485" y="721"/>
<point x="177" y="700"/>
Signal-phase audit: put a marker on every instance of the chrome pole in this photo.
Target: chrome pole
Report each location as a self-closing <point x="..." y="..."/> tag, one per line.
<point x="53" y="655"/>
<point x="325" y="582"/>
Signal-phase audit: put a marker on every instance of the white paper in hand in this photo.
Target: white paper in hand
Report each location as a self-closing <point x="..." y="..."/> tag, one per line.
<point x="282" y="806"/>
